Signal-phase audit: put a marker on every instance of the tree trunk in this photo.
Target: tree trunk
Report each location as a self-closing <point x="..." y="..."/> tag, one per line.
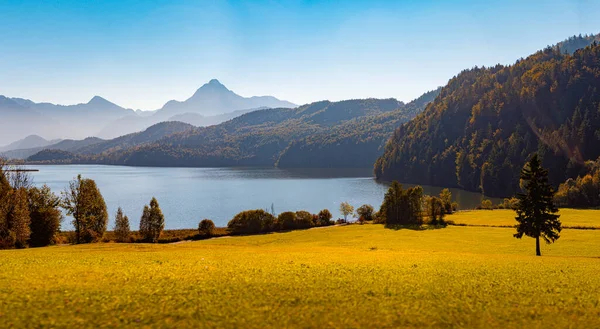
<point x="537" y="246"/>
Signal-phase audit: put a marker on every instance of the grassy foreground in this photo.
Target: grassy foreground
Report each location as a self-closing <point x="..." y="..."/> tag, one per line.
<point x="352" y="276"/>
<point x="570" y="218"/>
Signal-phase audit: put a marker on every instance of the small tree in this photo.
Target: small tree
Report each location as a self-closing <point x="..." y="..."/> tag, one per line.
<point x="346" y="209"/>
<point x="365" y="212"/>
<point x="324" y="217"/>
<point x="206" y="227"/>
<point x="435" y="209"/>
<point x="45" y="216"/>
<point x="85" y="203"/>
<point x="446" y="199"/>
<point x="536" y="212"/>
<point x="152" y="222"/>
<point x="18" y="218"/>
<point x="122" y="229"/>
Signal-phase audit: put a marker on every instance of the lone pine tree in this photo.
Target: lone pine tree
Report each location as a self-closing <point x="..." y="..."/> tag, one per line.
<point x="536" y="212"/>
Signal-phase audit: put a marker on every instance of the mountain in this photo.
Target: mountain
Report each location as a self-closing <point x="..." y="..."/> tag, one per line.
<point x="260" y="137"/>
<point x="30" y="141"/>
<point x="355" y="143"/>
<point x="93" y="145"/>
<point x="67" y="145"/>
<point x="102" y="118"/>
<point x="23" y="117"/>
<point x="487" y="122"/>
<point x="213" y="98"/>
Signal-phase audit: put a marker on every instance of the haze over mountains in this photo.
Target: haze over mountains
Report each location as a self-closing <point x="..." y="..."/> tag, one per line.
<point x="211" y="104"/>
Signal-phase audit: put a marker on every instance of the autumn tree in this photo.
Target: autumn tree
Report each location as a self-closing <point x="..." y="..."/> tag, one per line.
<point x="346" y="209"/>
<point x="45" y="214"/>
<point x="18" y="218"/>
<point x="83" y="200"/>
<point x="536" y="212"/>
<point x="435" y="209"/>
<point x="122" y="229"/>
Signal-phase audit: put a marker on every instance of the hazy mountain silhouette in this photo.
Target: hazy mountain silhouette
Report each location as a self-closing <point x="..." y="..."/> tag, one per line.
<point x="211" y="104"/>
<point x="213" y="98"/>
<point x="28" y="142"/>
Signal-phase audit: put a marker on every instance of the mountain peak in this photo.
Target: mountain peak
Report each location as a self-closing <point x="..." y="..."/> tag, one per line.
<point x="215" y="82"/>
<point x="98" y="100"/>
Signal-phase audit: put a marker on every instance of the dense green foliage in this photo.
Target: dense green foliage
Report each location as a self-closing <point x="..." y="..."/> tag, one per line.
<point x="486" y="122"/>
<point x="84" y="202"/>
<point x="365" y="212"/>
<point x="536" y="212"/>
<point x="402" y="206"/>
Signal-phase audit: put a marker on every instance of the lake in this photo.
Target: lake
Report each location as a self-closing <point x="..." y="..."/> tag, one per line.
<point x="187" y="195"/>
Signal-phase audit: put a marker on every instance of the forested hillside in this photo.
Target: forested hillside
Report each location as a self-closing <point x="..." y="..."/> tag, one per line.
<point x="487" y="122"/>
<point x="356" y="143"/>
<point x="258" y="138"/>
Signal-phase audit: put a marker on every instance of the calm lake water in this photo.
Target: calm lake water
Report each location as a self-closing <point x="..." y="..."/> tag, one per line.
<point x="187" y="195"/>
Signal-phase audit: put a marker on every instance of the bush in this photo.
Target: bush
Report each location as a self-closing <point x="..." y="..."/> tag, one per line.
<point x="487" y="204"/>
<point x="286" y="220"/>
<point x="251" y="222"/>
<point x="303" y="219"/>
<point x="206" y="227"/>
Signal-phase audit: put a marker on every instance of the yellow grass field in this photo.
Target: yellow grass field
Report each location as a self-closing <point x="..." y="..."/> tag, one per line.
<point x="503" y="217"/>
<point x="339" y="277"/>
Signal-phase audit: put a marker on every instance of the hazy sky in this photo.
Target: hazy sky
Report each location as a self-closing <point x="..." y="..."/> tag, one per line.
<point x="140" y="54"/>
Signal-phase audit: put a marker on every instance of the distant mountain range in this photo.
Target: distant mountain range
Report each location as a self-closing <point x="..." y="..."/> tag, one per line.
<point x="349" y="133"/>
<point x="211" y="104"/>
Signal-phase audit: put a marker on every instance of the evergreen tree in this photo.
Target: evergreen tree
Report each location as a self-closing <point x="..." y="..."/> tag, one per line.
<point x="45" y="216"/>
<point x="122" y="230"/>
<point x="145" y="223"/>
<point x="402" y="207"/>
<point x="536" y="212"/>
<point x="152" y="222"/>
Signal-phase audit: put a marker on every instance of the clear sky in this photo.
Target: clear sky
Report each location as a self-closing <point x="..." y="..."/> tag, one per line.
<point x="140" y="54"/>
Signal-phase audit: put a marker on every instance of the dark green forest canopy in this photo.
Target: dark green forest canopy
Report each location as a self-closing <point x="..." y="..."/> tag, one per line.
<point x="344" y="134"/>
<point x="487" y="122"/>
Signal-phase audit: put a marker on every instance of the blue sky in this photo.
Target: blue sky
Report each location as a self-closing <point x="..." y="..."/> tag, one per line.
<point x="140" y="54"/>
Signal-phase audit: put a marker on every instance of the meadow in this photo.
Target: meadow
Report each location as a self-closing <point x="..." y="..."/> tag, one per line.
<point x="338" y="277"/>
<point x="570" y="218"/>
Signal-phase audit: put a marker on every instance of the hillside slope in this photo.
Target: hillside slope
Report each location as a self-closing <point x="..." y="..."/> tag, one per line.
<point x="488" y="121"/>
